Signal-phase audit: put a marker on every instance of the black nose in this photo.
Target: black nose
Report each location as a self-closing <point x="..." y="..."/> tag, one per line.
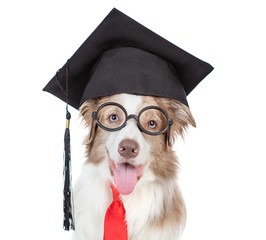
<point x="128" y="148"/>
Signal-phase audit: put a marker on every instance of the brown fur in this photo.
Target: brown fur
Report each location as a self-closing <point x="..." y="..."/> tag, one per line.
<point x="164" y="161"/>
<point x="174" y="213"/>
<point x="98" y="135"/>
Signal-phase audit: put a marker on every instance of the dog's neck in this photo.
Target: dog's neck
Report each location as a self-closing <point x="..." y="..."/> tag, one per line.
<point x="146" y="207"/>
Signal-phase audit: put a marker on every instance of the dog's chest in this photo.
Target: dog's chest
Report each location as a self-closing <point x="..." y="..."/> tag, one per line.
<point x="93" y="197"/>
<point x="143" y="209"/>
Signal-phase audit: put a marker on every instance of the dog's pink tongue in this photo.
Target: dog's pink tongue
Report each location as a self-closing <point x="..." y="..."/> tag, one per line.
<point x="125" y="178"/>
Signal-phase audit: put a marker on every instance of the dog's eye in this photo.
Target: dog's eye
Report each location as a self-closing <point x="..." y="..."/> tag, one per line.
<point x="152" y="124"/>
<point x="113" y="118"/>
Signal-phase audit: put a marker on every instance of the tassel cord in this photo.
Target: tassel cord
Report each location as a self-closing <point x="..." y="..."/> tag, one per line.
<point x="68" y="207"/>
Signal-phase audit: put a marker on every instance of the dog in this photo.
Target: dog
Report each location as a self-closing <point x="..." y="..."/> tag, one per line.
<point x="152" y="200"/>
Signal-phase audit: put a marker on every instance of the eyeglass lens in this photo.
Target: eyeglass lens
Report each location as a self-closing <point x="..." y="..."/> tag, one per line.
<point x="111" y="116"/>
<point x="153" y="120"/>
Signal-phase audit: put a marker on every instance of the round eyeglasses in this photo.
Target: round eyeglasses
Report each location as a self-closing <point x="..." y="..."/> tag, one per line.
<point x="151" y="120"/>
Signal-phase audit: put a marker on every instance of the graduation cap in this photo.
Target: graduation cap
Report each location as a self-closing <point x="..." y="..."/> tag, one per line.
<point x="123" y="56"/>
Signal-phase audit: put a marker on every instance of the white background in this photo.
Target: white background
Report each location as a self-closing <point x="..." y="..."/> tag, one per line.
<point x="223" y="177"/>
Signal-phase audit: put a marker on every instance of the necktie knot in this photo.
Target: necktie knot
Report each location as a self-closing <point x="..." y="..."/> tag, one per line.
<point x="116" y="195"/>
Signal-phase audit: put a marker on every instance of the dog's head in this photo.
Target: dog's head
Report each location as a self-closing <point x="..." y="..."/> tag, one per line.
<point x="129" y="153"/>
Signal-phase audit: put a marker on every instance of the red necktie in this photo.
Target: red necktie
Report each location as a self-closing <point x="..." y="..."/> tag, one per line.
<point x="115" y="227"/>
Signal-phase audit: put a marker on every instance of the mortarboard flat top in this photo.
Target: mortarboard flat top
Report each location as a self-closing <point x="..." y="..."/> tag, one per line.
<point x="122" y="56"/>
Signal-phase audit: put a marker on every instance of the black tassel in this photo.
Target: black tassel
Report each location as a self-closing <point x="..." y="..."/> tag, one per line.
<point x="68" y="210"/>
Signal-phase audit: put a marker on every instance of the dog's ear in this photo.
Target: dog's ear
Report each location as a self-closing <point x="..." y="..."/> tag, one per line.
<point x="181" y="116"/>
<point x="86" y="110"/>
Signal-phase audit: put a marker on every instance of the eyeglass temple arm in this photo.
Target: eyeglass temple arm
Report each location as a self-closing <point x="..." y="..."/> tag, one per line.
<point x="94" y="116"/>
<point x="170" y="123"/>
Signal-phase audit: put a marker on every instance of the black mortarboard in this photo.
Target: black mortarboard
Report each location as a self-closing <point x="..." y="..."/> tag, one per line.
<point x="122" y="56"/>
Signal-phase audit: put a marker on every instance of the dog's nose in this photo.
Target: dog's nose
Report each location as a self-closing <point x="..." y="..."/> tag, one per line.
<point x="128" y="148"/>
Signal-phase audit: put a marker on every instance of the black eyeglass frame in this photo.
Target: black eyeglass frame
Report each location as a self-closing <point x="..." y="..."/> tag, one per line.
<point x="95" y="118"/>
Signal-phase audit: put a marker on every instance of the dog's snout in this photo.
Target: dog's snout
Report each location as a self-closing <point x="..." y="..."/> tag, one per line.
<point x="128" y="148"/>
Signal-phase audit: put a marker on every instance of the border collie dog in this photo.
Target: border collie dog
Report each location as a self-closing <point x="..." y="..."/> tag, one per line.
<point x="129" y="145"/>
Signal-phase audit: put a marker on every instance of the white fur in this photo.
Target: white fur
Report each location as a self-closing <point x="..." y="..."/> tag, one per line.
<point x="131" y="131"/>
<point x="92" y="193"/>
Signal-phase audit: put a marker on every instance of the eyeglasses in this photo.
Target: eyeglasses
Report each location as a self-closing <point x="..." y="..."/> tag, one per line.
<point x="151" y="120"/>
